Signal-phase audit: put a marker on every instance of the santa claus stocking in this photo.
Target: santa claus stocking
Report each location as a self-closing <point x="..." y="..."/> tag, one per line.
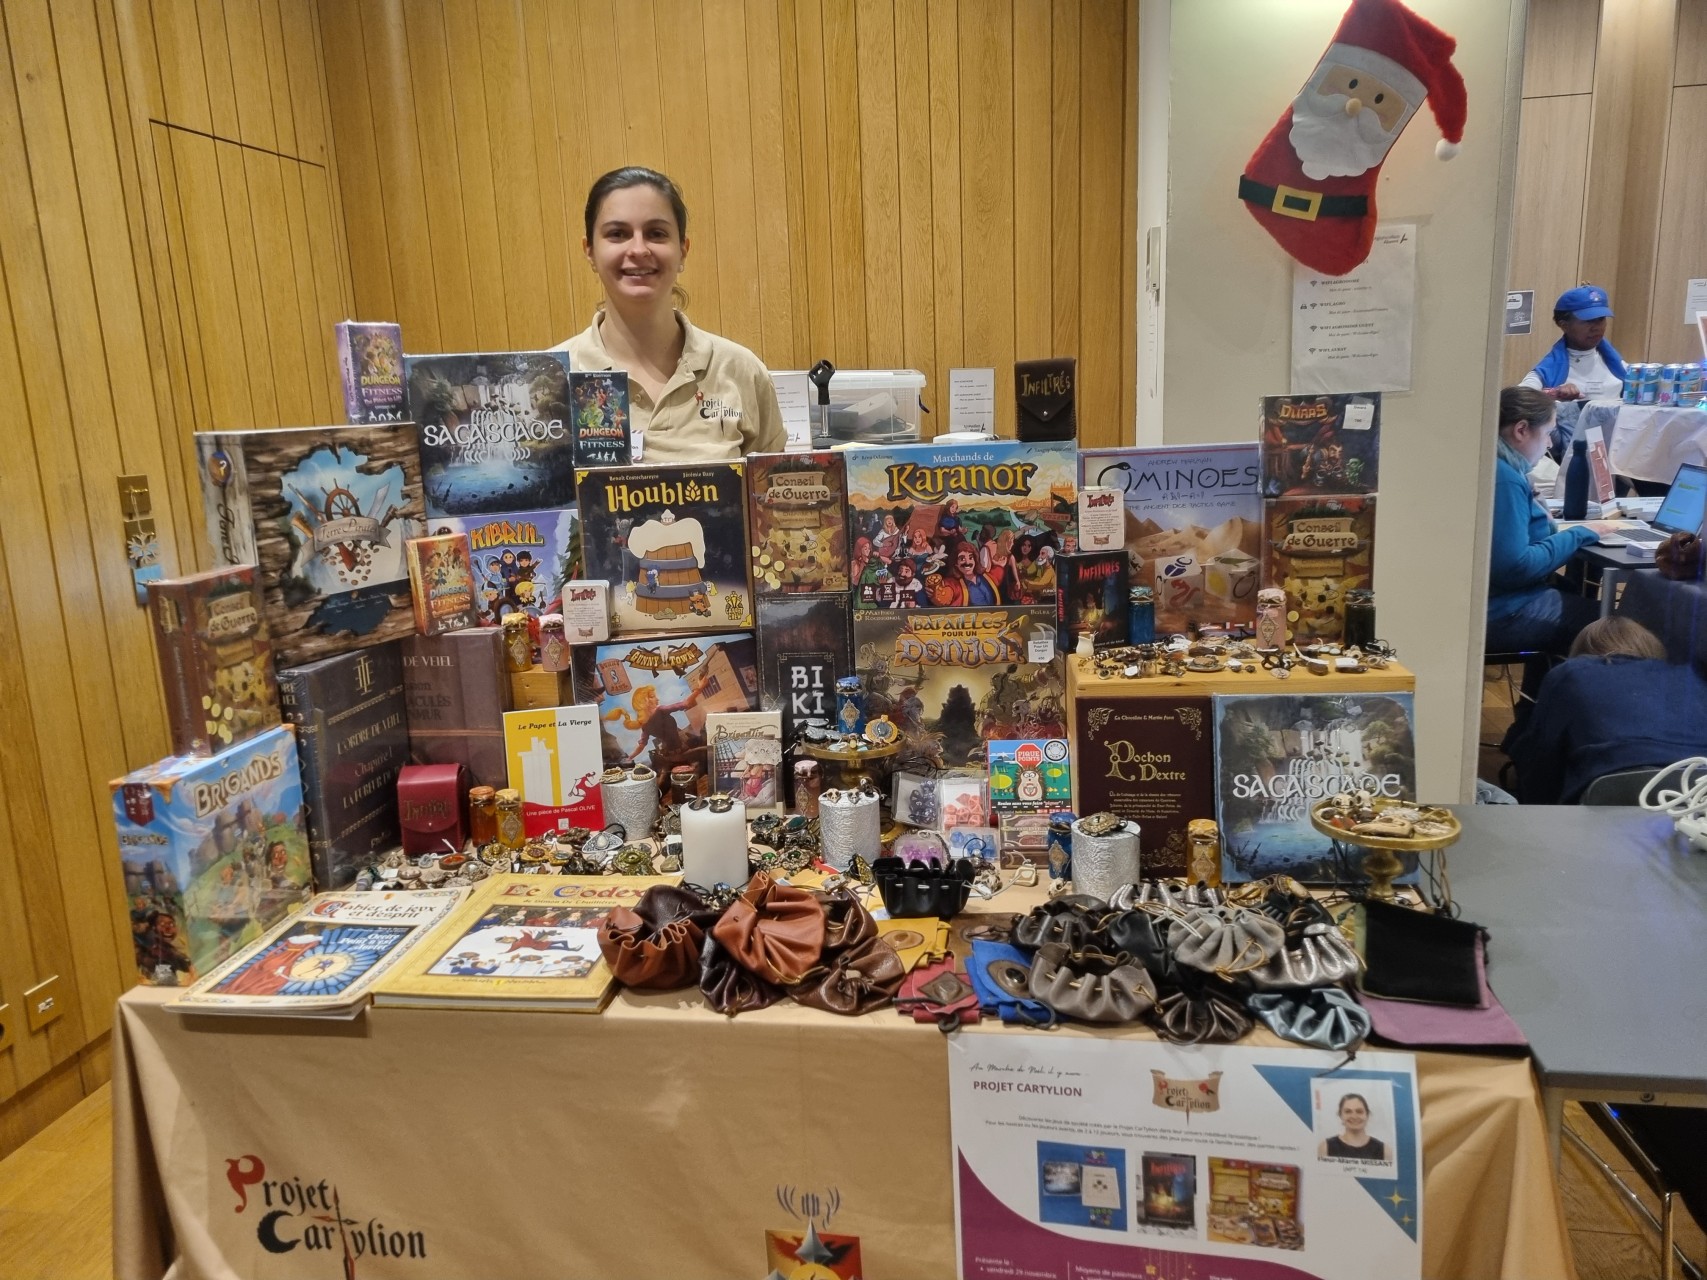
<point x="1311" y="182"/>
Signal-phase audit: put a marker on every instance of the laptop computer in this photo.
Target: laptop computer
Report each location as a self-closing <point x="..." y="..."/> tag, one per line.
<point x="1683" y="511"/>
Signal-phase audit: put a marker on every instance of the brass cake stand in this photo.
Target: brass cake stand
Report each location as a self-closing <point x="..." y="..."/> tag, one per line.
<point x="1382" y="863"/>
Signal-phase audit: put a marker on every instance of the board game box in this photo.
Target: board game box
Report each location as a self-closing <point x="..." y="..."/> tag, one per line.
<point x="672" y="542"/>
<point x="1317" y="549"/>
<point x="1150" y="760"/>
<point x="951" y="680"/>
<point x="1278" y="754"/>
<point x="1030" y="774"/>
<point x="1193" y="528"/>
<point x="600" y="397"/>
<point x="805" y="645"/>
<point x="653" y="695"/>
<point x="554" y="761"/>
<point x="214" y="851"/>
<point x="323" y="512"/>
<point x="457" y="691"/>
<point x="958" y="526"/>
<point x="441" y="582"/>
<point x="746" y="754"/>
<point x="797" y="515"/>
<point x="519" y="560"/>
<point x="216" y="661"/>
<point x="1321" y="445"/>
<point x="495" y="432"/>
<point x="370" y="360"/>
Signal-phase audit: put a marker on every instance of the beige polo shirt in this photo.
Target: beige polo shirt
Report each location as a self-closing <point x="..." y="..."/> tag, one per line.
<point x="719" y="404"/>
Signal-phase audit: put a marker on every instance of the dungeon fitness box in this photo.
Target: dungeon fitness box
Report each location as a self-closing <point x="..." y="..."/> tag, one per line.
<point x="214" y="851"/>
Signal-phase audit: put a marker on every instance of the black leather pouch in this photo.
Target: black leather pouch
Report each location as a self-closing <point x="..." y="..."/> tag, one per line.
<point x="1043" y="391"/>
<point x="1417" y="955"/>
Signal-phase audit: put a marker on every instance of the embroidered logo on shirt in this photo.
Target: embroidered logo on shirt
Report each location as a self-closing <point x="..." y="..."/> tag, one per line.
<point x="711" y="407"/>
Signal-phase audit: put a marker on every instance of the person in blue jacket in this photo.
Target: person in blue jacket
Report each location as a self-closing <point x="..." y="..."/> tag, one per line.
<point x="1527" y="611"/>
<point x="1582" y="364"/>
<point x="1616" y="704"/>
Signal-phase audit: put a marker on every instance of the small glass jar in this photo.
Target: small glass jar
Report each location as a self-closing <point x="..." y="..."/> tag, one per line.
<point x="808" y="782"/>
<point x="1359" y="617"/>
<point x="482" y="815"/>
<point x="511" y="833"/>
<point x="553" y="644"/>
<point x="1141" y="616"/>
<point x="1203" y="853"/>
<point x="518" y="643"/>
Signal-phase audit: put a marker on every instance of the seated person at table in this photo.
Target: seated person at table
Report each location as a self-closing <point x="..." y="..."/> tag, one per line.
<point x="1526" y="612"/>
<point x="1616" y="704"/>
<point x="1582" y="364"/>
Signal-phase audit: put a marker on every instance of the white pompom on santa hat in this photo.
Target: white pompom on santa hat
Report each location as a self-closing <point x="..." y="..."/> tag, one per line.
<point x="1397" y="37"/>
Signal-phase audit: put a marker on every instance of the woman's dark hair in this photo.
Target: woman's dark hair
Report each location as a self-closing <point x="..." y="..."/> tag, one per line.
<point x="1614" y="636"/>
<point x="1347" y="1097"/>
<point x="1525" y="404"/>
<point x="1563" y="318"/>
<point x="636" y="176"/>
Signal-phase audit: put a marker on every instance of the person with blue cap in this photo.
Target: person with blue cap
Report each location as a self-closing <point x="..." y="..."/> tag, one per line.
<point x="1582" y="364"/>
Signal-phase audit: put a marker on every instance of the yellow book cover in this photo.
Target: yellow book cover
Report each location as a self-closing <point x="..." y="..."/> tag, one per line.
<point x="519" y="942"/>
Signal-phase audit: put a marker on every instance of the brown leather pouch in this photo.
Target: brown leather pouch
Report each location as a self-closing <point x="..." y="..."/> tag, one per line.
<point x="655" y="945"/>
<point x="727" y="987"/>
<point x="1043" y="392"/>
<point x="1091" y="985"/>
<point x="856" y="980"/>
<point x="774" y="930"/>
<point x="847" y="924"/>
<point x="1201" y="1012"/>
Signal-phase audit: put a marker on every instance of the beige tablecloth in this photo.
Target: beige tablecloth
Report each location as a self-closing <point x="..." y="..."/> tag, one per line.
<point x="657" y="1139"/>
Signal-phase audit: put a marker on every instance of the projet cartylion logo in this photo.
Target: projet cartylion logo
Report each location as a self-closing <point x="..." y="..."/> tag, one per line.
<point x="292" y="1213"/>
<point x="1174" y="1094"/>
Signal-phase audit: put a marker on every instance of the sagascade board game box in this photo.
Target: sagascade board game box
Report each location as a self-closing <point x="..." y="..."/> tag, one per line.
<point x="672" y="542"/>
<point x="951" y="680"/>
<point x="1091" y="599"/>
<point x="216" y="660"/>
<point x="960" y="526"/>
<point x="323" y="512"/>
<point x="214" y="851"/>
<point x="352" y="735"/>
<point x="1193" y="529"/>
<point x="797" y="516"/>
<point x="370" y="359"/>
<point x="1321" y="445"/>
<point x="1030" y="773"/>
<point x="495" y="432"/>
<point x="653" y="695"/>
<point x="600" y="400"/>
<point x="441" y="582"/>
<point x="1278" y="754"/>
<point x="1317" y="549"/>
<point x="555" y="763"/>
<point x="805" y="646"/>
<point x="1150" y="760"/>
<point x="456" y="691"/>
<point x="519" y="560"/>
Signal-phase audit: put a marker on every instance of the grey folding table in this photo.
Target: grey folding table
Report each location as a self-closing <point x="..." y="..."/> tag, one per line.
<point x="1598" y="947"/>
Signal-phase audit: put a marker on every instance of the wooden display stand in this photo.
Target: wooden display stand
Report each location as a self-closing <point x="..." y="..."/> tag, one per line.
<point x="1144" y="747"/>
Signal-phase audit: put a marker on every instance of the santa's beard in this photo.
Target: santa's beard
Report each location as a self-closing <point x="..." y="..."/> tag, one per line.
<point x="1331" y="144"/>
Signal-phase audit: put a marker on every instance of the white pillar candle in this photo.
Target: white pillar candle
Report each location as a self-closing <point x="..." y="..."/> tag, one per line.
<point x="714" y="845"/>
<point x="849" y="824"/>
<point x="1102" y="864"/>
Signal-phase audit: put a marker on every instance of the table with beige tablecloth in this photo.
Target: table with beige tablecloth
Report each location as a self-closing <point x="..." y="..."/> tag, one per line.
<point x="655" y="1139"/>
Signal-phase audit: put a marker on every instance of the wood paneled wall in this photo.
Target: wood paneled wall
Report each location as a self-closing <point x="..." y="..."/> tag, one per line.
<point x="918" y="183"/>
<point x="170" y="261"/>
<point x="1610" y="185"/>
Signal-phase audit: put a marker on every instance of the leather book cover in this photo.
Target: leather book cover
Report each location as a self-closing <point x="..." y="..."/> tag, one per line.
<point x="353" y="739"/>
<point x="457" y="693"/>
<point x="1151" y="760"/>
<point x="1043" y="391"/>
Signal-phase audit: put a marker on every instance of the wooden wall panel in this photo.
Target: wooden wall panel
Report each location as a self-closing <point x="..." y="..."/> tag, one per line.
<point x="920" y="182"/>
<point x="1691" y="63"/>
<point x="1681" y="254"/>
<point x="165" y="266"/>
<point x="1559" y="47"/>
<point x="1547" y="208"/>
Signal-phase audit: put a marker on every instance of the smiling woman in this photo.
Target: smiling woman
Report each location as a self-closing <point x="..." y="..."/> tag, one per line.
<point x="694" y="396"/>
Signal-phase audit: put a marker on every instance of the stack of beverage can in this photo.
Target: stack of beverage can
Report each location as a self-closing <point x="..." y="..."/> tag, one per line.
<point x="1665" y="384"/>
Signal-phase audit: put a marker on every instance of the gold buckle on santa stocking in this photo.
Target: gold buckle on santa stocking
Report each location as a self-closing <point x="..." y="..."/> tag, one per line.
<point x="1290" y="202"/>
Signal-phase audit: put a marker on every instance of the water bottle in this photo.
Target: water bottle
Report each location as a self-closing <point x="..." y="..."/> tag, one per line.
<point x="1576" y="483"/>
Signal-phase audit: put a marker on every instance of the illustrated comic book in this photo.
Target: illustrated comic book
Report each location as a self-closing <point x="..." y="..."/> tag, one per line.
<point x="519" y="560"/>
<point x="1317" y="549"/>
<point x="495" y="432"/>
<point x="323" y="961"/>
<point x="654" y="695"/>
<point x="959" y="526"/>
<point x="1317" y="445"/>
<point x="672" y="542"/>
<point x="324" y="513"/>
<point x="1193" y="529"/>
<point x="1278" y="754"/>
<point x="953" y="679"/>
<point x="797" y="516"/>
<point x="519" y="942"/>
